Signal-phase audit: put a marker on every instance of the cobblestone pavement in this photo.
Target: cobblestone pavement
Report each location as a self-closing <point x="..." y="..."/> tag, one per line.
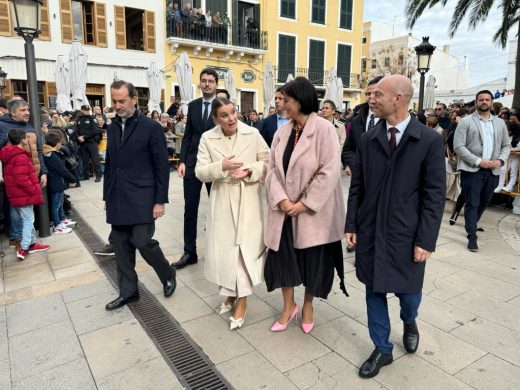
<point x="55" y="333"/>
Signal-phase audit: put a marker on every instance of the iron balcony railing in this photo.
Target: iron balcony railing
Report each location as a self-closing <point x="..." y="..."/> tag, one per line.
<point x="316" y="76"/>
<point x="252" y="38"/>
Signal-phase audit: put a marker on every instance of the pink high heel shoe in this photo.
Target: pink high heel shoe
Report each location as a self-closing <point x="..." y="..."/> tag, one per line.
<point x="277" y="327"/>
<point x="307" y="327"/>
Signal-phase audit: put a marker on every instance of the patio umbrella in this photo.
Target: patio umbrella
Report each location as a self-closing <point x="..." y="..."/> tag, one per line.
<point x="155" y="83"/>
<point x="62" y="85"/>
<point x="229" y="83"/>
<point x="333" y="87"/>
<point x="268" y="86"/>
<point x="78" y="74"/>
<point x="290" y="77"/>
<point x="184" y="72"/>
<point x="429" y="93"/>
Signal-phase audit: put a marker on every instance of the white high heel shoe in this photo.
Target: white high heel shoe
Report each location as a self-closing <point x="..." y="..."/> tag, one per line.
<point x="236" y="323"/>
<point x="223" y="308"/>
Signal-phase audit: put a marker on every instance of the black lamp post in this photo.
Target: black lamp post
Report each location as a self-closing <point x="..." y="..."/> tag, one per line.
<point x="25" y="15"/>
<point x="424" y="55"/>
<point x="3" y="76"/>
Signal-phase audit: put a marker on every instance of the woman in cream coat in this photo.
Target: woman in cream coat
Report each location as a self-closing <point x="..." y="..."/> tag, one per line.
<point x="234" y="157"/>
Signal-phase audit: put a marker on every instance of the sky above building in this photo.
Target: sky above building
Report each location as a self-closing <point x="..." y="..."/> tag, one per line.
<point x="487" y="60"/>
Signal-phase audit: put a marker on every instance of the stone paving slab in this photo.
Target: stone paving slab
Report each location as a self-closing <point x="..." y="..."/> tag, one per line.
<point x="43" y="349"/>
<point x="5" y="375"/>
<point x="184" y="305"/>
<point x="89" y="314"/>
<point x="412" y="372"/>
<point x="486" y="335"/>
<point x="151" y="375"/>
<point x="117" y="348"/>
<point x="286" y="350"/>
<point x="212" y="334"/>
<point x="331" y="372"/>
<point x="35" y="313"/>
<point x="254" y="372"/>
<point x="73" y="375"/>
<point x="491" y="373"/>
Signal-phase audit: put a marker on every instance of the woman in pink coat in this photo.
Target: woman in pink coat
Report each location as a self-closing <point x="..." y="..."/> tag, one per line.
<point x="305" y="214"/>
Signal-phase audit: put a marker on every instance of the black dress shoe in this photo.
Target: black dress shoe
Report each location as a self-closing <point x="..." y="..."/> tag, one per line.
<point x="411" y="337"/>
<point x="98" y="179"/>
<point x="350" y="248"/>
<point x="472" y="245"/>
<point x="171" y="284"/>
<point x="185" y="260"/>
<point x="370" y="368"/>
<point x="479" y="229"/>
<point x="454" y="217"/>
<point x="120" y="301"/>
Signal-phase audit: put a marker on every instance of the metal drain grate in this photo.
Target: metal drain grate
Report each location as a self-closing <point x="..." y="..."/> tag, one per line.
<point x="189" y="363"/>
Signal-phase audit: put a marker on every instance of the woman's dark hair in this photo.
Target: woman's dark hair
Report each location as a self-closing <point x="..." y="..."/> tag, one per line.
<point x="155" y="112"/>
<point x="421" y="118"/>
<point x="514" y="128"/>
<point x="302" y="90"/>
<point x="219" y="103"/>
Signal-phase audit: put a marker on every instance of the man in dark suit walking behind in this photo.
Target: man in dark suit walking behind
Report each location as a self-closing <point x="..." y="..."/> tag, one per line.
<point x="135" y="190"/>
<point x="275" y="121"/>
<point x="199" y="121"/>
<point x="395" y="208"/>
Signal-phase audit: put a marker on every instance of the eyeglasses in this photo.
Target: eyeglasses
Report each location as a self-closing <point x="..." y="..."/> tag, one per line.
<point x="438" y="109"/>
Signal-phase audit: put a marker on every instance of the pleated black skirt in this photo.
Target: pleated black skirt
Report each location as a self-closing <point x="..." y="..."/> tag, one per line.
<point x="313" y="267"/>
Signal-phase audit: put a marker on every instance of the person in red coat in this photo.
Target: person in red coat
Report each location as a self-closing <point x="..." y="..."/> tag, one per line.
<point x="23" y="189"/>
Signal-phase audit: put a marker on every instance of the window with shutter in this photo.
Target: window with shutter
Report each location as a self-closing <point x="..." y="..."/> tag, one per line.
<point x="344" y="63"/>
<point x="318" y="11"/>
<point x="120" y="27"/>
<point x="345" y="16"/>
<point x="101" y="25"/>
<point x="288" y="9"/>
<point x="316" y="61"/>
<point x="45" y="26"/>
<point x="67" y="33"/>
<point x="5" y="19"/>
<point x="286" y="57"/>
<point x="149" y="31"/>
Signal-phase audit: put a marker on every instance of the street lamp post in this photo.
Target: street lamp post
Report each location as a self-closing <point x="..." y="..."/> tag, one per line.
<point x="3" y="77"/>
<point x="424" y="55"/>
<point x="25" y="15"/>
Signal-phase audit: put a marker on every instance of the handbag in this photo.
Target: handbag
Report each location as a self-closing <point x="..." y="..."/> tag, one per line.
<point x="452" y="159"/>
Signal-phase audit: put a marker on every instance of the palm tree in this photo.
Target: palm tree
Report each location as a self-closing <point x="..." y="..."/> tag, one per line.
<point x="478" y="12"/>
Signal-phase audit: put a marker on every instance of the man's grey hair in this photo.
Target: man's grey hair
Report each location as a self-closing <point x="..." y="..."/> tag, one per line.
<point x="14" y="104"/>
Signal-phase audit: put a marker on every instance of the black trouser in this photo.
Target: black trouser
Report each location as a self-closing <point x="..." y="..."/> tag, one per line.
<point x="126" y="239"/>
<point x="86" y="150"/>
<point x="192" y="187"/>
<point x="478" y="188"/>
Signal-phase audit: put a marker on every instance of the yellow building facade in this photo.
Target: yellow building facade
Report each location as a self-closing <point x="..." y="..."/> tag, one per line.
<point x="298" y="37"/>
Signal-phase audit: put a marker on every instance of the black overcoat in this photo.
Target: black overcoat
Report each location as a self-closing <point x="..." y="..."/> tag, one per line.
<point x="396" y="201"/>
<point x="137" y="171"/>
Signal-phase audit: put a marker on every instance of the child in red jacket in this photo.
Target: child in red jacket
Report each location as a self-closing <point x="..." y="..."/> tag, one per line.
<point x="23" y="189"/>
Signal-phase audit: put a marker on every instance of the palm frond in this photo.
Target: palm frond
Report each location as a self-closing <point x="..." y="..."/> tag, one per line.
<point x="479" y="12"/>
<point x="415" y="8"/>
<point x="458" y="15"/>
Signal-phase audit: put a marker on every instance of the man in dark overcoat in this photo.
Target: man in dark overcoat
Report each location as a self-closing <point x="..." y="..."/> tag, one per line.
<point x="135" y="190"/>
<point x="395" y="207"/>
<point x="199" y="120"/>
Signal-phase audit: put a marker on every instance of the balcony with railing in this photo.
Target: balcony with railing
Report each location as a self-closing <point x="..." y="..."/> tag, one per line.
<point x="317" y="77"/>
<point x="233" y="40"/>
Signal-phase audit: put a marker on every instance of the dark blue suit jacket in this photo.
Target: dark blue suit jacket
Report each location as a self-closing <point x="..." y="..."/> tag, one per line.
<point x="137" y="172"/>
<point x="269" y="128"/>
<point x="192" y="134"/>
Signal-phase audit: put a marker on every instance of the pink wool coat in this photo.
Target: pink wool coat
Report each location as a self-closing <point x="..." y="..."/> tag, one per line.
<point x="324" y="221"/>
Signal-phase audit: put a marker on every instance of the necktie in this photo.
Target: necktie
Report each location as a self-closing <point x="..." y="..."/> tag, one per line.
<point x="392" y="142"/>
<point x="371" y="122"/>
<point x="205" y="115"/>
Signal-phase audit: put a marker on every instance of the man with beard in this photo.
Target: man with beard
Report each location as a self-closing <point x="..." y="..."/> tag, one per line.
<point x="274" y="121"/>
<point x="482" y="144"/>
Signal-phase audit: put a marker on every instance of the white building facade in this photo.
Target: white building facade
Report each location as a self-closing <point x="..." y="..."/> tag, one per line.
<point x="120" y="37"/>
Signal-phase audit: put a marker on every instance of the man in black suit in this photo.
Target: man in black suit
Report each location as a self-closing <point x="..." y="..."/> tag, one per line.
<point x="364" y="120"/>
<point x="135" y="190"/>
<point x="395" y="207"/>
<point x="275" y="121"/>
<point x="199" y="121"/>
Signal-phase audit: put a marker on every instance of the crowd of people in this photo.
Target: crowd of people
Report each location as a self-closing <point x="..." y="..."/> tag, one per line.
<point x="403" y="168"/>
<point x="212" y="26"/>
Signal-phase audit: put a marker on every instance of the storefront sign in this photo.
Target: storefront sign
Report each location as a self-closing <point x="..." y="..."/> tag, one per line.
<point x="248" y="76"/>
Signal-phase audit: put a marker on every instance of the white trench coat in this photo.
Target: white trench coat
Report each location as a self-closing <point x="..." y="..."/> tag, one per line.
<point x="235" y="215"/>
